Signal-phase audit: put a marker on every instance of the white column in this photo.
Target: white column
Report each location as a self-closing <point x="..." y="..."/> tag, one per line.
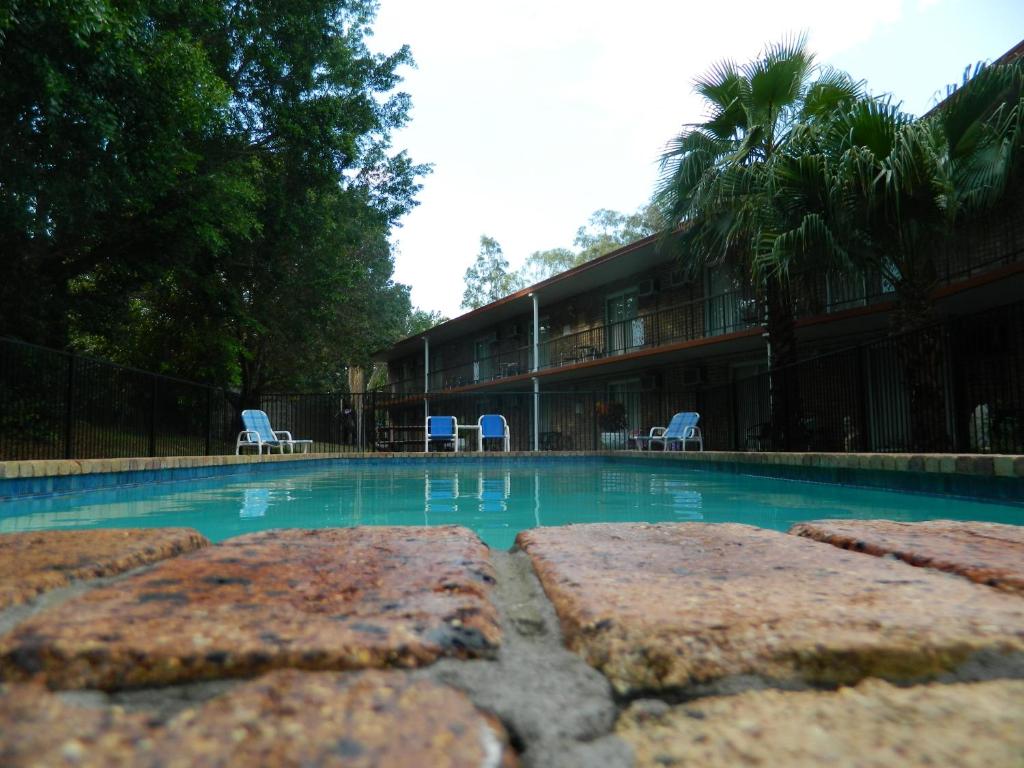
<point x="536" y="367"/>
<point x="426" y="377"/>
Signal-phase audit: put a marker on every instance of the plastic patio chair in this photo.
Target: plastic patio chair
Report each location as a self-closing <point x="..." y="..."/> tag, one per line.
<point x="258" y="433"/>
<point x="493" y="426"/>
<point x="682" y="429"/>
<point x="441" y="429"/>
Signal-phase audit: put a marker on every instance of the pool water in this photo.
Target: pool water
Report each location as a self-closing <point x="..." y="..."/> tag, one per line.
<point x="495" y="501"/>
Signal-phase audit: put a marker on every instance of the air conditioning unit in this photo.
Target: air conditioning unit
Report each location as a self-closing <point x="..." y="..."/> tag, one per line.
<point x="691" y="377"/>
<point x="647" y="287"/>
<point x="679" y="277"/>
<point x="650" y="382"/>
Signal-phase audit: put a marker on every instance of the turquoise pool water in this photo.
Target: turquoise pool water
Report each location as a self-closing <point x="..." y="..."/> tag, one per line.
<point x="496" y="501"/>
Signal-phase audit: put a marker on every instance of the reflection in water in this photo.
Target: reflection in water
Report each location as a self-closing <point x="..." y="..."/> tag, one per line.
<point x="254" y="502"/>
<point x="485" y="504"/>
<point x="495" y="501"/>
<point x="494" y="492"/>
<point x="685" y="501"/>
<point x="441" y="493"/>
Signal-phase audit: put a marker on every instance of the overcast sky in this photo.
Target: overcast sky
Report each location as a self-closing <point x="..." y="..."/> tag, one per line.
<point x="536" y="113"/>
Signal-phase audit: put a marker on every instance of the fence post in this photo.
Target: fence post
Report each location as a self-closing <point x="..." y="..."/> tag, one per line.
<point x="209" y="421"/>
<point x="737" y="440"/>
<point x="864" y="442"/>
<point x="152" y="417"/>
<point x="69" y="411"/>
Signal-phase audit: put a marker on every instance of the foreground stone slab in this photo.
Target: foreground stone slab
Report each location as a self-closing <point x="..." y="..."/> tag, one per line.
<point x="874" y="724"/>
<point x="677" y="605"/>
<point x="329" y="599"/>
<point x="286" y="718"/>
<point x="988" y="553"/>
<point x="32" y="563"/>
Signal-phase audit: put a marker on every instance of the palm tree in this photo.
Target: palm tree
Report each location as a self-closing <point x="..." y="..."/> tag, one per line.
<point x="715" y="175"/>
<point x="877" y="190"/>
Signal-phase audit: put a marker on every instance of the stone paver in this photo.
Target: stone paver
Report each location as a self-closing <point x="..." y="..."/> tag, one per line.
<point x="286" y="718"/>
<point x="673" y="605"/>
<point x="988" y="553"/>
<point x="873" y="725"/>
<point x="328" y="599"/>
<point x="32" y="563"/>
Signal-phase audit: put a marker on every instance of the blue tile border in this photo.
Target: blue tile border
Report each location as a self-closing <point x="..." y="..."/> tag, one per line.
<point x="975" y="487"/>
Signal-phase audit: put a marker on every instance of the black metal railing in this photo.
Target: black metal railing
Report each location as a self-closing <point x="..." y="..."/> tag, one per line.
<point x="955" y="386"/>
<point x="700" y="318"/>
<point x="57" y="405"/>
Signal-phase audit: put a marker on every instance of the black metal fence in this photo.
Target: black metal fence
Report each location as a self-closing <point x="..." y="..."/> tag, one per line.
<point x="956" y="386"/>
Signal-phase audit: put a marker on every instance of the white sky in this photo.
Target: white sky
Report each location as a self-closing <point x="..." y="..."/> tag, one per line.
<point x="539" y="112"/>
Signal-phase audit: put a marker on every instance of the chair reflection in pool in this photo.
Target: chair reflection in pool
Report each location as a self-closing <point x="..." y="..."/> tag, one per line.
<point x="254" y="502"/>
<point x="494" y="492"/>
<point x="492" y="426"/>
<point x="441" y="493"/>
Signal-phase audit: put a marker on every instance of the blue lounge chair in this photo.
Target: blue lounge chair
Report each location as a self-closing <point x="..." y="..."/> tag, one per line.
<point x="681" y="430"/>
<point x="443" y="429"/>
<point x="493" y="427"/>
<point x="258" y="434"/>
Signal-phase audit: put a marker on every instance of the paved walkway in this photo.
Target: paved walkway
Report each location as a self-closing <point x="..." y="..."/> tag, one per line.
<point x="844" y="643"/>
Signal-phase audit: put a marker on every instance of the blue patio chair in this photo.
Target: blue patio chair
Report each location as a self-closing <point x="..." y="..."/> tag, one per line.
<point x="258" y="434"/>
<point x="493" y="426"/>
<point x="442" y="429"/>
<point x="681" y="430"/>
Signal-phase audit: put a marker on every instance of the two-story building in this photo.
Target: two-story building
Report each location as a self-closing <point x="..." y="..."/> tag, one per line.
<point x="604" y="351"/>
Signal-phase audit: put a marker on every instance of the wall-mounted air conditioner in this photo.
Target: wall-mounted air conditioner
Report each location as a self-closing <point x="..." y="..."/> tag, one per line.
<point x="691" y="377"/>
<point x="650" y="382"/>
<point x="647" y="287"/>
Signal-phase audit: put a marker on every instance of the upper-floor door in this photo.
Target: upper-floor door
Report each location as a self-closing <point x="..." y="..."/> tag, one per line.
<point x="483" y="358"/>
<point x="624" y="330"/>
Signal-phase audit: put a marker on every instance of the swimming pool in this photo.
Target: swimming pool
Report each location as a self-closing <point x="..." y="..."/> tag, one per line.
<point x="496" y="499"/>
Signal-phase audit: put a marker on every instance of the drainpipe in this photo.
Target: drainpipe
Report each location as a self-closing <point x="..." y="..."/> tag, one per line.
<point x="536" y="367"/>
<point x="426" y="378"/>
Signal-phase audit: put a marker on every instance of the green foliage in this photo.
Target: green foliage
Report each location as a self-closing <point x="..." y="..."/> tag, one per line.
<point x="718" y="179"/>
<point x="420" y="320"/>
<point x="489" y="278"/>
<point x="878" y="190"/>
<point x="203" y="188"/>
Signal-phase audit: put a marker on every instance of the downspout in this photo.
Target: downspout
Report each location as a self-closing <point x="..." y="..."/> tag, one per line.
<point x="536" y="367"/>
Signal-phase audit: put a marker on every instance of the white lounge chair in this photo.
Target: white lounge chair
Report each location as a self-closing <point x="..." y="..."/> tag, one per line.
<point x="682" y="429"/>
<point x="258" y="434"/>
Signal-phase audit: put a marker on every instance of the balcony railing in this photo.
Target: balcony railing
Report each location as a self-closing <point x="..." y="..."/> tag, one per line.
<point x="702" y="318"/>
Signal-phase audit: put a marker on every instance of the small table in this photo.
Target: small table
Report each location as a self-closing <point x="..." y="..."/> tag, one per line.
<point x="471" y="428"/>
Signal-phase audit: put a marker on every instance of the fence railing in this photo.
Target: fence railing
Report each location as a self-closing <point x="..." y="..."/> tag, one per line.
<point x="955" y="386"/>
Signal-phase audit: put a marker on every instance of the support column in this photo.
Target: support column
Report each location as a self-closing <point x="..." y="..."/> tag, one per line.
<point x="426" y="378"/>
<point x="536" y="367"/>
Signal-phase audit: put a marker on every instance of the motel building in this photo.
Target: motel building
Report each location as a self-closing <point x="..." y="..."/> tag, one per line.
<point x="592" y="357"/>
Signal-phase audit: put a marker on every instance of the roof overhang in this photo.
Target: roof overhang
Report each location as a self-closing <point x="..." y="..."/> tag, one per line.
<point x="635" y="257"/>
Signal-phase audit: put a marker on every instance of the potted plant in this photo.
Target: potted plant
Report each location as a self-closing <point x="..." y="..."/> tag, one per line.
<point x="611" y="420"/>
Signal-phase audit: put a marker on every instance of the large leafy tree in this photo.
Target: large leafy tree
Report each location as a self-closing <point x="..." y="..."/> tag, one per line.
<point x="715" y="180"/>
<point x="489" y="277"/>
<point x="203" y="187"/>
<point x="103" y="112"/>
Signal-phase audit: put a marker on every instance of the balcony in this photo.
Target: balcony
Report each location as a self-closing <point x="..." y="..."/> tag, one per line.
<point x="702" y="318"/>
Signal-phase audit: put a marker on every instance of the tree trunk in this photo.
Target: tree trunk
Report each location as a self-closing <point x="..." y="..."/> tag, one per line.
<point x="782" y="378"/>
